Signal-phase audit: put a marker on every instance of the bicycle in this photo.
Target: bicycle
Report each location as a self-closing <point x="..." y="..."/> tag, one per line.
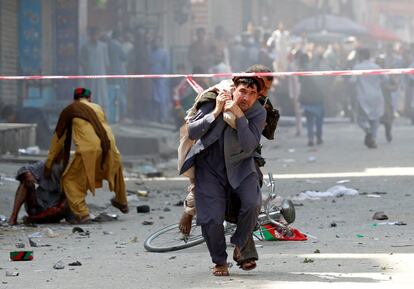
<point x="170" y="238"/>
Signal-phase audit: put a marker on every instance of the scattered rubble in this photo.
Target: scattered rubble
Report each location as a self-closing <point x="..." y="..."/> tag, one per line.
<point x="380" y="216"/>
<point x="76" y="263"/>
<point x="143" y="209"/>
<point x="59" y="265"/>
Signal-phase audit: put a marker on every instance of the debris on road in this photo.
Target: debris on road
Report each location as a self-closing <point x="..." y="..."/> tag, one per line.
<point x="35" y="235"/>
<point x="76" y="263"/>
<point x="77" y="230"/>
<point x="143" y="209"/>
<point x="49" y="232"/>
<point x="80" y="231"/>
<point x="35" y="244"/>
<point x="335" y="191"/>
<point x="3" y="219"/>
<point x="105" y="217"/>
<point x="59" y="265"/>
<point x="402" y="246"/>
<point x="399" y="223"/>
<point x="380" y="216"/>
<point x="373" y="194"/>
<point x="308" y="260"/>
<point x="21" y="255"/>
<point x="179" y="204"/>
<point x="20" y="245"/>
<point x="147" y="223"/>
<point x="142" y="193"/>
<point x="12" y="274"/>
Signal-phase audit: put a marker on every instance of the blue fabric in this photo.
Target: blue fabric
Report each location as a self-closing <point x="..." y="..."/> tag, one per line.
<point x="314" y="120"/>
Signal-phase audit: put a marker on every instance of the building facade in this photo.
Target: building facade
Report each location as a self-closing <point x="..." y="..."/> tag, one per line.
<point x="8" y="50"/>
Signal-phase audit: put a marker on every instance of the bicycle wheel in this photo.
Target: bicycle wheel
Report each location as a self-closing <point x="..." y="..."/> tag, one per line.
<point x="170" y="239"/>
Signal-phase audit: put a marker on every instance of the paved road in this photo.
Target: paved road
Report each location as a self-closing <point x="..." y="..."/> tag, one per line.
<point x="358" y="252"/>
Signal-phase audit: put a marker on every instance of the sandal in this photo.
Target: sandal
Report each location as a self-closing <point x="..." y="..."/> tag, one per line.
<point x="221" y="270"/>
<point x="123" y="208"/>
<point x="247" y="265"/>
<point x="80" y="220"/>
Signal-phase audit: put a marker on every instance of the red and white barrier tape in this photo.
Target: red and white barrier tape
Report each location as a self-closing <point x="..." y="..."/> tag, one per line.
<point x="197" y="88"/>
<point x="223" y="75"/>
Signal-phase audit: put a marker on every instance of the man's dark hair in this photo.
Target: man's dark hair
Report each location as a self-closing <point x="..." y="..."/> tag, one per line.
<point x="249" y="82"/>
<point x="363" y="54"/>
<point x="7" y="111"/>
<point x="260" y="68"/>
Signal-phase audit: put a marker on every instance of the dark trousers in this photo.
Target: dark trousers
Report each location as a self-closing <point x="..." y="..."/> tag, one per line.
<point x="211" y="197"/>
<point x="314" y="124"/>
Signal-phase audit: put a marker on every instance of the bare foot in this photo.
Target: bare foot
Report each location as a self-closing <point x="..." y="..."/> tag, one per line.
<point x="221" y="270"/>
<point x="185" y="224"/>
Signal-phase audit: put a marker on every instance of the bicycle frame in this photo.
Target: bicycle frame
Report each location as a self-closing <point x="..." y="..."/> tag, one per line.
<point x="266" y="203"/>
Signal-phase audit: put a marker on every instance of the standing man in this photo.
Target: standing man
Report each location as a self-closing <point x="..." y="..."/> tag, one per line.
<point x="311" y="98"/>
<point x="94" y="60"/>
<point x="224" y="163"/>
<point x="199" y="52"/>
<point x="369" y="97"/>
<point x="96" y="156"/>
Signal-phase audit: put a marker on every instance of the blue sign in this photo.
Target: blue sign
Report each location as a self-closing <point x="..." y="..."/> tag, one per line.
<point x="67" y="33"/>
<point x="30" y="40"/>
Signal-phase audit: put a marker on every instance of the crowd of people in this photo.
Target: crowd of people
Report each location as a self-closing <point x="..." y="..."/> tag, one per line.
<point x="313" y="97"/>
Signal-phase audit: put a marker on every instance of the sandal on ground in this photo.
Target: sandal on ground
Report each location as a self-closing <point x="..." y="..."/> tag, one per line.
<point x="221" y="270"/>
<point x="80" y="220"/>
<point x="247" y="265"/>
<point x="185" y="224"/>
<point x="123" y="208"/>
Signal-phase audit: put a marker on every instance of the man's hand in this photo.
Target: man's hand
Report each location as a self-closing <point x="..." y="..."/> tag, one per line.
<point x="232" y="106"/>
<point x="221" y="99"/>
